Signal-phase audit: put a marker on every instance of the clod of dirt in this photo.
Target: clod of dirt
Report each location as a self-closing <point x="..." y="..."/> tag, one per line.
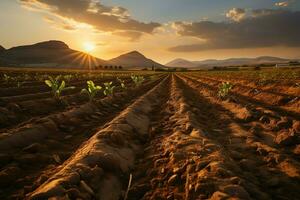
<point x="286" y="138"/>
<point x="53" y="189"/>
<point x="219" y="196"/>
<point x="86" y="187"/>
<point x="284" y="100"/>
<point x="284" y="123"/>
<point x="236" y="191"/>
<point x="264" y="119"/>
<point x="197" y="133"/>
<point x="172" y="180"/>
<point x="9" y="174"/>
<point x="33" y="148"/>
<point x="297" y="150"/>
<point x="248" y="164"/>
<point x="296" y="126"/>
<point x="246" y="115"/>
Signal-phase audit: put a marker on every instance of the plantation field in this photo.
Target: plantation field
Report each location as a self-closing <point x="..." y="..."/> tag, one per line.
<point x="146" y="135"/>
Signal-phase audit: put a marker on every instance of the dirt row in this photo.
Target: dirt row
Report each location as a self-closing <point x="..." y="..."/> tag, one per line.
<point x="31" y="93"/>
<point x="17" y="113"/>
<point x="30" y="154"/>
<point x="279" y="126"/>
<point x="289" y="108"/>
<point x="199" y="151"/>
<point x="267" y="146"/>
<point x="264" y="86"/>
<point x="286" y="97"/>
<point x="97" y="169"/>
<point x="177" y="141"/>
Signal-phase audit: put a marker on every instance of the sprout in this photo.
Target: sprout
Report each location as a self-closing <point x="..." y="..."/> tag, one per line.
<point x="68" y="77"/>
<point x="224" y="89"/>
<point x="108" y="89"/>
<point x="122" y="83"/>
<point x="19" y="84"/>
<point x="7" y="78"/>
<point x="57" y="86"/>
<point x="91" y="90"/>
<point x="138" y="80"/>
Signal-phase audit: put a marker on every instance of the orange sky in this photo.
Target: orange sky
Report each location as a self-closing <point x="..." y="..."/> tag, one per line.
<point x="34" y="21"/>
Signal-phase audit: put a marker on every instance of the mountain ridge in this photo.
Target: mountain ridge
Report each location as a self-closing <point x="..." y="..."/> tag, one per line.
<point x="227" y="62"/>
<point x="57" y="54"/>
<point x="134" y="59"/>
<point x="52" y="53"/>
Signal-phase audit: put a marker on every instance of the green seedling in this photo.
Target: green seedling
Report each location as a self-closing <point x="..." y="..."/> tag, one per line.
<point x="224" y="89"/>
<point x="68" y="78"/>
<point x="57" y="86"/>
<point x="6" y="78"/>
<point x="122" y="83"/>
<point x="108" y="89"/>
<point x="19" y="84"/>
<point x="91" y="90"/>
<point x="153" y="77"/>
<point x="138" y="80"/>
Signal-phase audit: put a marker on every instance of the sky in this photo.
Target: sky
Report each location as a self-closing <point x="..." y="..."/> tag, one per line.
<point x="162" y="30"/>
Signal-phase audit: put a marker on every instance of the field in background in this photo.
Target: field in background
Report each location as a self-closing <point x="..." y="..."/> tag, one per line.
<point x="184" y="135"/>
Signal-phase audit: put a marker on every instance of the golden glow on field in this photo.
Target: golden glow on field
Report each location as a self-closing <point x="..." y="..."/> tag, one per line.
<point x="88" y="47"/>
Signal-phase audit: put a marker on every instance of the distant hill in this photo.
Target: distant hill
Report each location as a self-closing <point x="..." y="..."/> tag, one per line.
<point x="227" y="62"/>
<point x="134" y="59"/>
<point x="2" y="48"/>
<point x="182" y="63"/>
<point x="48" y="54"/>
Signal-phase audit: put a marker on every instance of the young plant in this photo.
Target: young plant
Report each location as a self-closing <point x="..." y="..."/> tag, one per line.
<point x="122" y="83"/>
<point x="6" y="78"/>
<point x="224" y="89"/>
<point x="153" y="77"/>
<point x="108" y="89"/>
<point x="91" y="90"/>
<point x="57" y="86"/>
<point x="138" y="80"/>
<point x="68" y="78"/>
<point x="263" y="79"/>
<point x="19" y="84"/>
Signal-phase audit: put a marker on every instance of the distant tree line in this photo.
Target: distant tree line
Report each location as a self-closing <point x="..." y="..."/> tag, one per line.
<point x="108" y="67"/>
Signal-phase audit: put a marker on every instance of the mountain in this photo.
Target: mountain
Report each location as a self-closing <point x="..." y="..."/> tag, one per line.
<point x="179" y="62"/>
<point x="49" y="54"/>
<point x="2" y="48"/>
<point x="134" y="59"/>
<point x="227" y="62"/>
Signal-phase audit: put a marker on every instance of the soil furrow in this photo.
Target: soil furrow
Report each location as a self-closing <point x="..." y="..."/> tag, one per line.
<point x="248" y="100"/>
<point x="195" y="153"/>
<point x="53" y="141"/>
<point x="16" y="114"/>
<point x="264" y="86"/>
<point x="99" y="168"/>
<point x="275" y="173"/>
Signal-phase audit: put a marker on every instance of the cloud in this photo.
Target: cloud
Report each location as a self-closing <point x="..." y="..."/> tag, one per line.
<point x="101" y="17"/>
<point x="60" y="24"/>
<point x="133" y="36"/>
<point x="283" y="3"/>
<point x="263" y="28"/>
<point x="236" y="14"/>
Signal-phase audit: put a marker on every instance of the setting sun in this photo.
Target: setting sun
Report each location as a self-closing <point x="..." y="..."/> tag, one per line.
<point x="88" y="47"/>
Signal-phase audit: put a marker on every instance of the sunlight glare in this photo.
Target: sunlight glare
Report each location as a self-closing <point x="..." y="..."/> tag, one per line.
<point x="88" y="47"/>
